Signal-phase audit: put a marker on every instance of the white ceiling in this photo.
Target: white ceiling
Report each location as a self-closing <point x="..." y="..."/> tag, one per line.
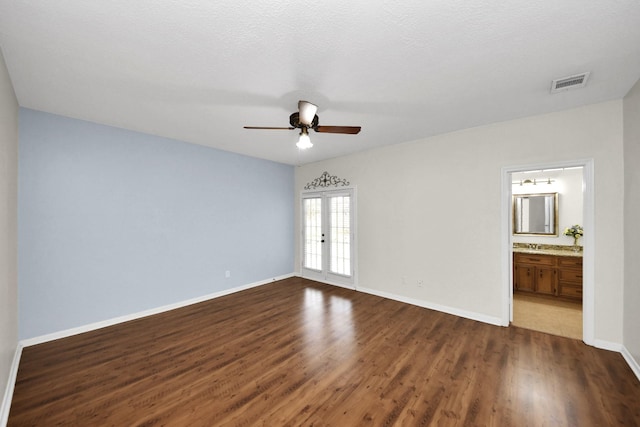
<point x="199" y="71"/>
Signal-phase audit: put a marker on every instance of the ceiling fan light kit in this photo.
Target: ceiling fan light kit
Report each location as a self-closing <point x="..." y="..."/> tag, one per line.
<point x="304" y="141"/>
<point x="305" y="119"/>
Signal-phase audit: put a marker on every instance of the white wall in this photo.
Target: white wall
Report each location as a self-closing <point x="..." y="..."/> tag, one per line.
<point x="568" y="185"/>
<point x="414" y="199"/>
<point x="631" y="222"/>
<point x="8" y="224"/>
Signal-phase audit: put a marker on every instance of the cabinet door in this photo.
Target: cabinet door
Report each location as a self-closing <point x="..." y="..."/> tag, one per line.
<point x="524" y="279"/>
<point x="546" y="280"/>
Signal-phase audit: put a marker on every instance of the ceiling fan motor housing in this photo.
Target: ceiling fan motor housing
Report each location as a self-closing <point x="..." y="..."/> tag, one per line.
<point x="294" y="120"/>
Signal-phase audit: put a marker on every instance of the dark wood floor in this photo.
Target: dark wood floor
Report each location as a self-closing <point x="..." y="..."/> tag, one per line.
<point x="298" y="352"/>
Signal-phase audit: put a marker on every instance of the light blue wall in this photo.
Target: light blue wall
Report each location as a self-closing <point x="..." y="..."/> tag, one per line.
<point x="113" y="222"/>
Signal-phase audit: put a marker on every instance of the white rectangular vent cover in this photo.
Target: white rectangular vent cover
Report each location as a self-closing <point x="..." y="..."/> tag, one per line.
<point x="571" y="82"/>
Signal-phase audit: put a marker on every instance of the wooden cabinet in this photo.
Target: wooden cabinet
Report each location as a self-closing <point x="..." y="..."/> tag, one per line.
<point x="558" y="276"/>
<point x="570" y="277"/>
<point x="534" y="273"/>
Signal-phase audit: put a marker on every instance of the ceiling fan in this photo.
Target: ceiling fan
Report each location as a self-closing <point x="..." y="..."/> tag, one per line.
<point x="305" y="119"/>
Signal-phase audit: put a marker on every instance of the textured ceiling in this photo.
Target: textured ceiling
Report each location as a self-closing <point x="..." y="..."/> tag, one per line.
<point x="199" y="71"/>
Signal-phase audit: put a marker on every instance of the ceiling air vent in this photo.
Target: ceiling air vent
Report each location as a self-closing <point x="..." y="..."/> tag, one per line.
<point x="571" y="82"/>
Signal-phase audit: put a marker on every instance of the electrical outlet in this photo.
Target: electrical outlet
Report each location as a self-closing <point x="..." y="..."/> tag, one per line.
<point x="227" y="274"/>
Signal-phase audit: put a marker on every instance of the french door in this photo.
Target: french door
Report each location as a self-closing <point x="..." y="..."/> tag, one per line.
<point x="328" y="236"/>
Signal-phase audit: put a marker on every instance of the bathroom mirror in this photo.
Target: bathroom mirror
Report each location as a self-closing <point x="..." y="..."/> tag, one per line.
<point x="535" y="214"/>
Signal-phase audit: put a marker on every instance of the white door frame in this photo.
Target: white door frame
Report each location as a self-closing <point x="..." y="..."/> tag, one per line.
<point x="349" y="284"/>
<point x="588" y="285"/>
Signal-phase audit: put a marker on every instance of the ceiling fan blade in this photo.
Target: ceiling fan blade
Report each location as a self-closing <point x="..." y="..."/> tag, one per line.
<point x="271" y="128"/>
<point x="351" y="130"/>
<point x="307" y="112"/>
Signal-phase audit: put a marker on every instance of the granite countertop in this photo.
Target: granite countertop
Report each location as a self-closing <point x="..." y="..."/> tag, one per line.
<point x="554" y="250"/>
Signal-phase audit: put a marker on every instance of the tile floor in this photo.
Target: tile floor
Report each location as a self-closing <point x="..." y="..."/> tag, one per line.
<point x="561" y="318"/>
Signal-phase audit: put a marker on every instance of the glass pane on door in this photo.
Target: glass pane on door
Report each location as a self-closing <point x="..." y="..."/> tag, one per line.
<point x="313" y="233"/>
<point x="340" y="232"/>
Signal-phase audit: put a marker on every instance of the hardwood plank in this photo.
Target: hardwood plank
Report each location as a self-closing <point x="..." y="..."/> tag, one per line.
<point x="298" y="352"/>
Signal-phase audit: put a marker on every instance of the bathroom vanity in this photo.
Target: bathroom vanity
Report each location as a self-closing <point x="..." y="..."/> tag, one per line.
<point x="550" y="272"/>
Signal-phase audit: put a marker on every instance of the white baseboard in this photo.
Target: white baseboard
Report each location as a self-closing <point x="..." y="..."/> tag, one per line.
<point x="607" y="345"/>
<point x="631" y="361"/>
<point x="114" y="321"/>
<point x="432" y="306"/>
<point x="11" y="383"/>
<point x="328" y="282"/>
<point x="420" y="303"/>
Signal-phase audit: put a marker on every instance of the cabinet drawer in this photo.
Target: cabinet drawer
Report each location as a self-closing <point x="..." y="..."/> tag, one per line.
<point x="570" y="275"/>
<point x="534" y="259"/>
<point x="570" y="291"/>
<point x="570" y="261"/>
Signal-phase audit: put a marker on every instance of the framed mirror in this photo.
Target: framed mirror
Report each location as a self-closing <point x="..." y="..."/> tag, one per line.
<point x="535" y="214"/>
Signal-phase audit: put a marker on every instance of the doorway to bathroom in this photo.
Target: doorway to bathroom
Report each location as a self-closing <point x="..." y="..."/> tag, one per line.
<point x="546" y="210"/>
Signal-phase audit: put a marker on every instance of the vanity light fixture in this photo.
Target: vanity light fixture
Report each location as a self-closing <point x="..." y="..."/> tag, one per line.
<point x="533" y="182"/>
<point x="548" y="172"/>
